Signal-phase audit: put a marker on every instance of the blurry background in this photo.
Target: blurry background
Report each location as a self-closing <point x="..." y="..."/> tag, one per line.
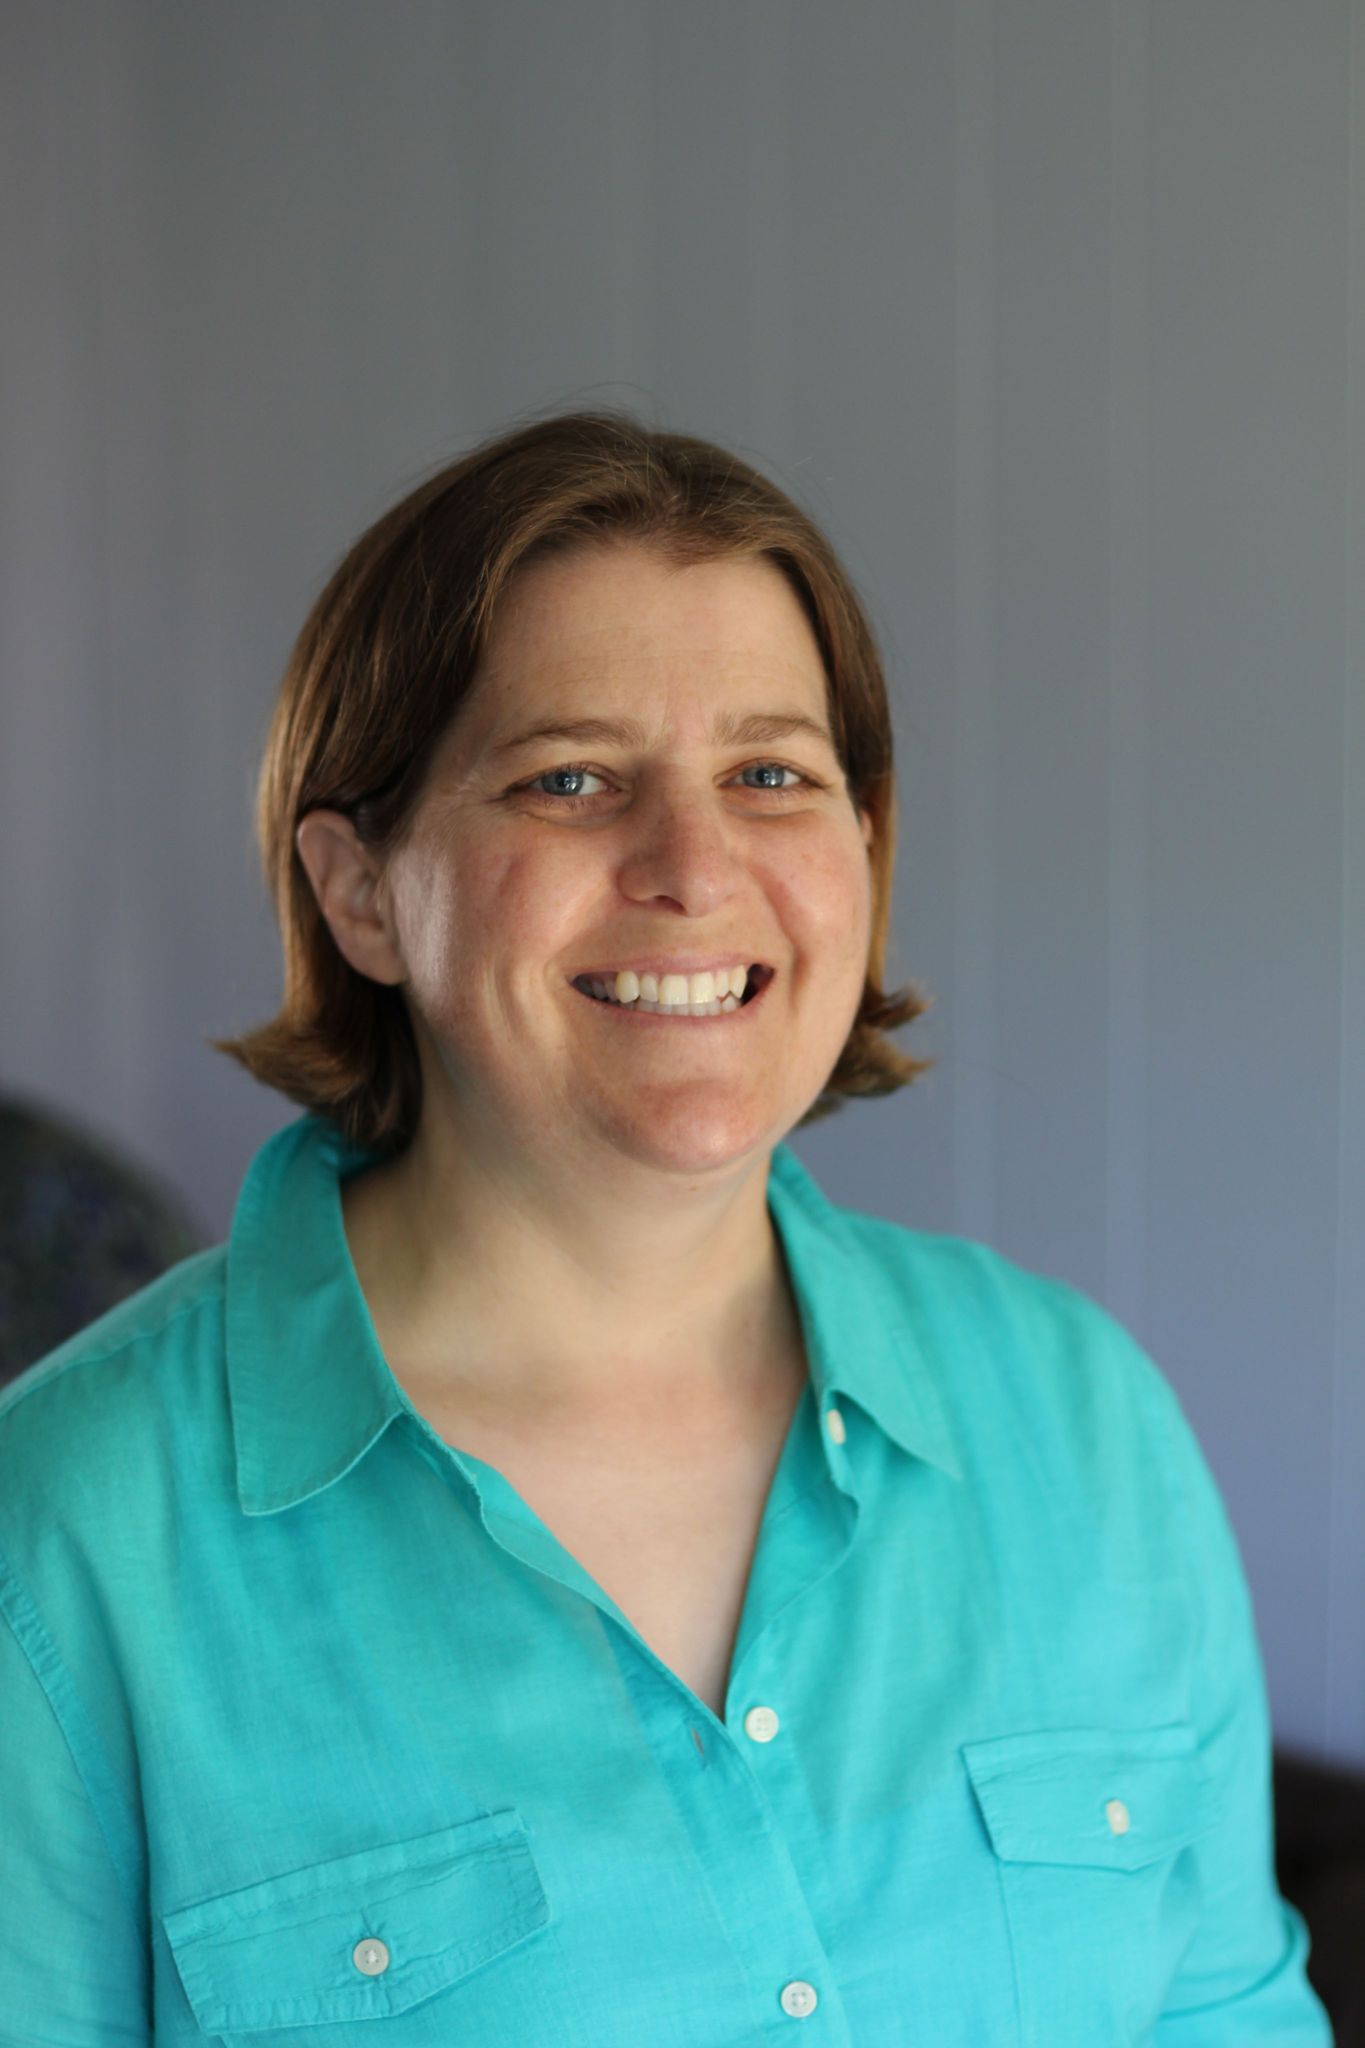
<point x="1053" y="311"/>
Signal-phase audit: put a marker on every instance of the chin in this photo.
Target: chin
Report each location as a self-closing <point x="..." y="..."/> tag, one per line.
<point x="699" y="1139"/>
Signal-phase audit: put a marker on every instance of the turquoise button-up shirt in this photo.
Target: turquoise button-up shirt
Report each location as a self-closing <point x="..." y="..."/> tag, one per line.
<point x="316" y="1737"/>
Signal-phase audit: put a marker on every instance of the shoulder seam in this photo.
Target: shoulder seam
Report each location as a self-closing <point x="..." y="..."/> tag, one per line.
<point x="56" y="1364"/>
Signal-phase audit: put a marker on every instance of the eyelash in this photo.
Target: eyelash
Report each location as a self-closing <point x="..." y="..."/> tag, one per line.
<point x="572" y="803"/>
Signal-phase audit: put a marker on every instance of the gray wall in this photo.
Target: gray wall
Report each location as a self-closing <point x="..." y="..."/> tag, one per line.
<point x="1052" y="310"/>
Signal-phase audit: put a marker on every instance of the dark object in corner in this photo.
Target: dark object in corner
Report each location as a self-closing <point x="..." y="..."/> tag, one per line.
<point x="1320" y="1864"/>
<point x="80" y="1228"/>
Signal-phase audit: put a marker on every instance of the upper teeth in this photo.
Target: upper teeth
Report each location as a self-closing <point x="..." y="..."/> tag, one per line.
<point x="672" y="990"/>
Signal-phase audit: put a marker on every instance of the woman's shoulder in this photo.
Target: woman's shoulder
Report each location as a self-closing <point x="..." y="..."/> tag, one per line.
<point x="1008" y="1338"/>
<point x="977" y="1307"/>
<point x="105" y="1395"/>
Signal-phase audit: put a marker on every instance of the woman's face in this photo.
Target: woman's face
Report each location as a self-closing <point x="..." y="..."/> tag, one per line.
<point x="698" y="819"/>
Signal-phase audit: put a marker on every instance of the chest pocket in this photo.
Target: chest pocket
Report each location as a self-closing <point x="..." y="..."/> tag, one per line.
<point x="1092" y="1829"/>
<point x="360" y="1937"/>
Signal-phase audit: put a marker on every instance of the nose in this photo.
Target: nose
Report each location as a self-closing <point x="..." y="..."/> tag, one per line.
<point x="680" y="847"/>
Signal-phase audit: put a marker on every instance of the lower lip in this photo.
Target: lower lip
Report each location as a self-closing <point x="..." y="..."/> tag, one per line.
<point x="629" y="1012"/>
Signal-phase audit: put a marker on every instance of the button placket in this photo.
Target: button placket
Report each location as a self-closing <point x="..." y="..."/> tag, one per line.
<point x="743" y="1812"/>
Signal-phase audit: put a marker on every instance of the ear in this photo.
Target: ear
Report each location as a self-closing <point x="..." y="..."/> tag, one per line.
<point x="865" y="820"/>
<point x="348" y="882"/>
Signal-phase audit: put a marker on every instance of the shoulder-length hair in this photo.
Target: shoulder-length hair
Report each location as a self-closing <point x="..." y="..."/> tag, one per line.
<point x="387" y="656"/>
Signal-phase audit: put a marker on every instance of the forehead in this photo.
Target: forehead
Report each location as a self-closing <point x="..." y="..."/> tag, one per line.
<point x="627" y="626"/>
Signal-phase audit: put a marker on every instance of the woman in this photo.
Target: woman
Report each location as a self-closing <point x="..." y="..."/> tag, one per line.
<point x="553" y="1577"/>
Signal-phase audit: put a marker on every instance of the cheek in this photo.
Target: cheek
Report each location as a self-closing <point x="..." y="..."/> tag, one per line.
<point x="437" y="895"/>
<point x="826" y="895"/>
<point x="537" y="891"/>
<point x="480" y="918"/>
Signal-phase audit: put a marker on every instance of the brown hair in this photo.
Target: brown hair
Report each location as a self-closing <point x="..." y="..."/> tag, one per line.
<point x="387" y="656"/>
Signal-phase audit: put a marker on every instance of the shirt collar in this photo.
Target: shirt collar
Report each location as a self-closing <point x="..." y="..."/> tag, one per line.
<point x="310" y="1389"/>
<point x="862" y="1339"/>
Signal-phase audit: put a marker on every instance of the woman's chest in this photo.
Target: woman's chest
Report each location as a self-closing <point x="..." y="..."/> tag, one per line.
<point x="676" y="1568"/>
<point x="667" y="1525"/>
<point x="455" y="1774"/>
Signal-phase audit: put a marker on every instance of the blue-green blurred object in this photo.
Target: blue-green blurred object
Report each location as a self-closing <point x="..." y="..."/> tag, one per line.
<point x="81" y="1226"/>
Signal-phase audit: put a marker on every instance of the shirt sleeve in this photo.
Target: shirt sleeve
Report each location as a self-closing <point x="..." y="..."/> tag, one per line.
<point x="73" y="1971"/>
<point x="1243" y="1978"/>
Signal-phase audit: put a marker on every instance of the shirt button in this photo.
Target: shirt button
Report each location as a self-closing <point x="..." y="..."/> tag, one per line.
<point x="1117" y="1814"/>
<point x="370" y="1957"/>
<point x="761" y="1724"/>
<point x="834" y="1423"/>
<point x="799" y="1998"/>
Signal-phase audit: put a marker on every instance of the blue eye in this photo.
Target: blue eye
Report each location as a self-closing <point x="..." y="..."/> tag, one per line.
<point x="561" y="799"/>
<point x="563" y="774"/>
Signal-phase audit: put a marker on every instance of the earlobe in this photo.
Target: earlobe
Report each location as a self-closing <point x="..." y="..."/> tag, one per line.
<point x="347" y="883"/>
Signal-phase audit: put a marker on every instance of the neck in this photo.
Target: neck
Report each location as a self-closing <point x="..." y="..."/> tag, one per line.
<point x="522" y="1291"/>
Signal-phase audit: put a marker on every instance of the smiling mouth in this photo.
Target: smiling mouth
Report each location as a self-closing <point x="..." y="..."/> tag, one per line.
<point x="601" y="989"/>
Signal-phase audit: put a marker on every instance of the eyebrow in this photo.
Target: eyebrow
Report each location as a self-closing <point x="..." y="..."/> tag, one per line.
<point x="728" y="730"/>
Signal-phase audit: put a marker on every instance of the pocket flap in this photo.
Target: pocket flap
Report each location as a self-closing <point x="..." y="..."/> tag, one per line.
<point x="282" y="1952"/>
<point x="1114" y="1797"/>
